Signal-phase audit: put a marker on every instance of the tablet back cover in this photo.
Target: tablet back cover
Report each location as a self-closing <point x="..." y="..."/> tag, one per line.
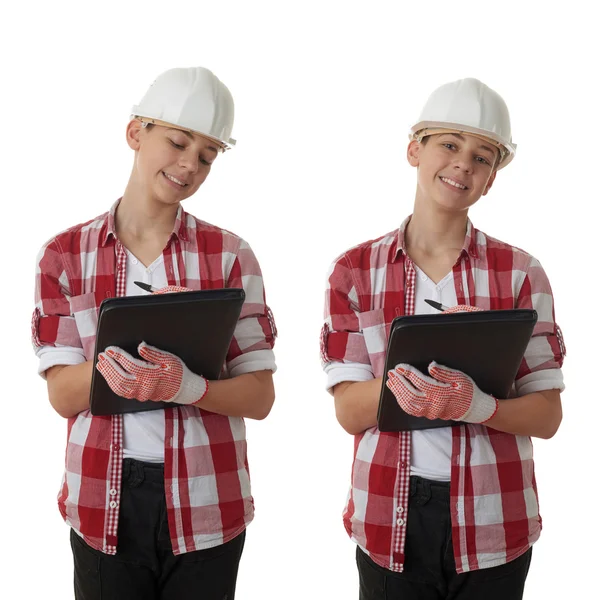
<point x="196" y="326"/>
<point x="487" y="345"/>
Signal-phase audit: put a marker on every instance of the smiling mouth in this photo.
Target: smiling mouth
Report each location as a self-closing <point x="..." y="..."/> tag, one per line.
<point x="174" y="179"/>
<point x="457" y="185"/>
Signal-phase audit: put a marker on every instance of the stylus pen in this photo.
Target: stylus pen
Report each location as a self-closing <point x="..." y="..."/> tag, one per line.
<point x="145" y="286"/>
<point x="433" y="303"/>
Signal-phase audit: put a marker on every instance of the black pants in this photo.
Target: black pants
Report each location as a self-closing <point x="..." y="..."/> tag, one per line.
<point x="429" y="569"/>
<point x="145" y="567"/>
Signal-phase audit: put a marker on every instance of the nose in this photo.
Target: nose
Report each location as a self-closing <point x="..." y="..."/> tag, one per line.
<point x="463" y="162"/>
<point x="189" y="161"/>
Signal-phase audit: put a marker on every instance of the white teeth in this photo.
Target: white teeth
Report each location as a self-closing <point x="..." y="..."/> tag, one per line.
<point x="457" y="185"/>
<point x="171" y="178"/>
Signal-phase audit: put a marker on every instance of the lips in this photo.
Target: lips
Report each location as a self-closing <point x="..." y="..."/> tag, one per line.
<point x="457" y="184"/>
<point x="175" y="180"/>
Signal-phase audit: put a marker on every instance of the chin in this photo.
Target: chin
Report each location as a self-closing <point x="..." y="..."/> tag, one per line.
<point x="450" y="206"/>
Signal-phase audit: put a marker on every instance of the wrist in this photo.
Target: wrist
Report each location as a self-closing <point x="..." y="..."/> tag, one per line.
<point x="482" y="409"/>
<point x="193" y="388"/>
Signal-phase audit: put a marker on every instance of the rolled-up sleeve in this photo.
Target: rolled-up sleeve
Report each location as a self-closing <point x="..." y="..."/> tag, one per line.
<point x="54" y="333"/>
<point x="344" y="354"/>
<point x="254" y="337"/>
<point x="541" y="366"/>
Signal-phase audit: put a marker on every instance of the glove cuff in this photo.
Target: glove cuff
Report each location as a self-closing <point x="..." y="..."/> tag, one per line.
<point x="193" y="388"/>
<point x="482" y="409"/>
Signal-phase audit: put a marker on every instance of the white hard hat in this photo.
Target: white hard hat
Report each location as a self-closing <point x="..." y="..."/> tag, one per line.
<point x="190" y="99"/>
<point x="468" y="106"/>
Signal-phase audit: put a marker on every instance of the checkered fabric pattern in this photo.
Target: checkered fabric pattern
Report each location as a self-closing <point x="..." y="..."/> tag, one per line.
<point x="207" y="483"/>
<point x="494" y="505"/>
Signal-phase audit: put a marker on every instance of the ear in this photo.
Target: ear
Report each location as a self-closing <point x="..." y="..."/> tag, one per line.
<point x="412" y="153"/>
<point x="489" y="183"/>
<point x="133" y="134"/>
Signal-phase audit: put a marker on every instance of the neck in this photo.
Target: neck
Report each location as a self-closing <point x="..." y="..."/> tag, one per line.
<point x="432" y="232"/>
<point x="141" y="217"/>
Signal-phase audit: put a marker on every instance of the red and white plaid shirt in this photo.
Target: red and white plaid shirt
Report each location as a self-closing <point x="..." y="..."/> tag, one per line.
<point x="494" y="505"/>
<point x="207" y="483"/>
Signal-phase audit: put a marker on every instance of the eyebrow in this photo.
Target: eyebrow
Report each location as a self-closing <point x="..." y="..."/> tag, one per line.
<point x="192" y="138"/>
<point x="481" y="146"/>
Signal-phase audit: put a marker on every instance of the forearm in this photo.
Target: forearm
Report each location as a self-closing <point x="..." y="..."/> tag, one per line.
<point x="356" y="404"/>
<point x="538" y="414"/>
<point x="250" y="395"/>
<point x="69" y="388"/>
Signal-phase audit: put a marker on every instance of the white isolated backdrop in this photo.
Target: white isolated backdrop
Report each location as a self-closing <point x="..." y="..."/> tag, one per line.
<point x="325" y="93"/>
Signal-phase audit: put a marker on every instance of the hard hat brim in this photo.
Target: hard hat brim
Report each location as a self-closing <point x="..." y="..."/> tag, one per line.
<point x="425" y="128"/>
<point x="223" y="146"/>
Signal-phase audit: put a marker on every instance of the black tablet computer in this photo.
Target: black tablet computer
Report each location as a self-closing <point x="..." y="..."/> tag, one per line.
<point x="197" y="326"/>
<point x="488" y="346"/>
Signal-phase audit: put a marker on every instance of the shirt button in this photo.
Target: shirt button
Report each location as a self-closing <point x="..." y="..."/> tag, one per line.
<point x="134" y="261"/>
<point x="113" y="492"/>
<point x="400" y="509"/>
<point x="113" y="504"/>
<point x="423" y="277"/>
<point x="400" y="522"/>
<point x="403" y="465"/>
<point x="116" y="447"/>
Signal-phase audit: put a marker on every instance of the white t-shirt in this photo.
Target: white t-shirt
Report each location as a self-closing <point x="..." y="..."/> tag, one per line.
<point x="430" y="449"/>
<point x="143" y="432"/>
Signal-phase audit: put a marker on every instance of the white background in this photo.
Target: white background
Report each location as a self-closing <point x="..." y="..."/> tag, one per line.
<point x="325" y="93"/>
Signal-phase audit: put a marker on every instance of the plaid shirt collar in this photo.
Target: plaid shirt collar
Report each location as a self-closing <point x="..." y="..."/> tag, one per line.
<point x="469" y="246"/>
<point x="109" y="227"/>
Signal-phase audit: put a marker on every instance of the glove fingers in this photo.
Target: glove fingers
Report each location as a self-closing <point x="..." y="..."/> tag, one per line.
<point x="152" y="354"/>
<point x="419" y="380"/>
<point x="442" y="373"/>
<point x="406" y="395"/>
<point x="130" y="364"/>
<point x="110" y="365"/>
<point x="119" y="381"/>
<point x="399" y="384"/>
<point x="169" y="289"/>
<point x="462" y="308"/>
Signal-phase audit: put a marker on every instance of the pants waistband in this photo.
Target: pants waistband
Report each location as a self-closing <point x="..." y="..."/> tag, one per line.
<point x="136" y="471"/>
<point x="438" y="490"/>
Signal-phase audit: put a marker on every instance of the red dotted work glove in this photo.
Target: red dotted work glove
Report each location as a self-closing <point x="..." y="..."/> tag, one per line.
<point x="172" y="288"/>
<point x="447" y="394"/>
<point x="162" y="376"/>
<point x="462" y="308"/>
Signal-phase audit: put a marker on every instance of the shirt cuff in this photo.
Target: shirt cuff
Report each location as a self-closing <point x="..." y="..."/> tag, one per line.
<point x="51" y="356"/>
<point x="257" y="360"/>
<point x="538" y="381"/>
<point x="337" y="372"/>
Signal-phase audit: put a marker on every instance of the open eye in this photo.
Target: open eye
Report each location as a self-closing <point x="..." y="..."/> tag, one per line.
<point x="449" y="145"/>
<point x="482" y="160"/>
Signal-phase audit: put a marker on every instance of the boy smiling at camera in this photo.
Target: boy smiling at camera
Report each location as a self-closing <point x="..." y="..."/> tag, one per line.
<point x="449" y="512"/>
